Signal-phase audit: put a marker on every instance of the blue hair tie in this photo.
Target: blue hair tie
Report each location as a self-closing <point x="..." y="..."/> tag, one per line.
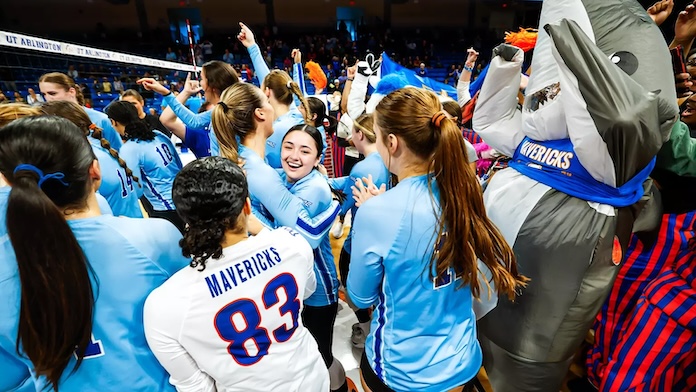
<point x="42" y="177"/>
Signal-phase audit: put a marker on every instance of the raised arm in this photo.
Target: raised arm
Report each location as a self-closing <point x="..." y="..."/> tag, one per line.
<point x="463" y="95"/>
<point x="189" y="118"/>
<point x="246" y="37"/>
<point x="298" y="72"/>
<point x="169" y="119"/>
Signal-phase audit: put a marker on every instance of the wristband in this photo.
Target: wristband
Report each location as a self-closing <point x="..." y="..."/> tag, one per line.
<point x="350" y="79"/>
<point x="468" y="69"/>
<point x="168" y="94"/>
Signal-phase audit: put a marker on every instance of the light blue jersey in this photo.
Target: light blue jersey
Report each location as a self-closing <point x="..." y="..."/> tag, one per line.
<point x="158" y="163"/>
<point x="275" y="206"/>
<point x="102" y="121"/>
<point x="371" y="165"/>
<point x="104" y="206"/>
<point x="194" y="120"/>
<point x="118" y="189"/>
<point x="130" y="258"/>
<point x="423" y="331"/>
<point x="4" y="195"/>
<point x="316" y="194"/>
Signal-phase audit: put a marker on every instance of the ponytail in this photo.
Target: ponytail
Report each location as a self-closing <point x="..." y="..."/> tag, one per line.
<point x="79" y="117"/>
<point x="47" y="160"/>
<point x="97" y="134"/>
<point x="295" y="89"/>
<point x="464" y="216"/>
<point x="233" y="117"/>
<point x="464" y="233"/>
<point x="125" y="113"/>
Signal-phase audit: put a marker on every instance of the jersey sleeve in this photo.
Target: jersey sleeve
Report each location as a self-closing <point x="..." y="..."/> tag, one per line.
<point x="260" y="66"/>
<point x="15" y="374"/>
<point x="298" y="77"/>
<point x="308" y="257"/>
<point x="189" y="118"/>
<point x="288" y="209"/>
<point x="130" y="153"/>
<point x="162" y="322"/>
<point x="463" y="94"/>
<point x="367" y="254"/>
<point x="167" y="254"/>
<point x="356" y="96"/>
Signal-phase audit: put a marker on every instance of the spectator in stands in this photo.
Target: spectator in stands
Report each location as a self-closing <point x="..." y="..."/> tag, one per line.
<point x="33" y="98"/>
<point x="228" y="57"/>
<point x="452" y="74"/>
<point x="3" y="98"/>
<point x="170" y="56"/>
<point x="72" y="72"/>
<point x="422" y="71"/>
<point x="106" y="85"/>
<point x="118" y="85"/>
<point x="18" y="97"/>
<point x="207" y="48"/>
<point x="153" y="122"/>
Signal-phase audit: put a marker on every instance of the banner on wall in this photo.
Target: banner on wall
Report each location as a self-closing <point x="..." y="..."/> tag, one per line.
<point x="49" y="46"/>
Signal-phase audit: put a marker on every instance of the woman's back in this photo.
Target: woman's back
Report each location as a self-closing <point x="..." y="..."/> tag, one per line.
<point x="238" y="320"/>
<point x="116" y="186"/>
<point x="158" y="163"/>
<point x="423" y="329"/>
<point x="129" y="258"/>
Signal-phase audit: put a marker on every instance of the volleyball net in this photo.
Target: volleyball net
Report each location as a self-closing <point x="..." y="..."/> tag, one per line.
<point x="24" y="58"/>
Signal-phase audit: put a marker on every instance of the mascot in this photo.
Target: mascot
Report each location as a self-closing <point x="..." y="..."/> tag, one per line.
<point x="599" y="105"/>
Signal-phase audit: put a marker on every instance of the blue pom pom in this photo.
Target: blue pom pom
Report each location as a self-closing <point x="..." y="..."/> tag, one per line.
<point x="390" y="83"/>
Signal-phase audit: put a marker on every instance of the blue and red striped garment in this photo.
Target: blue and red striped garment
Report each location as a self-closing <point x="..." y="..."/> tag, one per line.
<point x="659" y="341"/>
<point x="641" y="266"/>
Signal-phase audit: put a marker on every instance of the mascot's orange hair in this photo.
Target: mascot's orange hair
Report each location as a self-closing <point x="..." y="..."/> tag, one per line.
<point x="524" y="39"/>
<point x="316" y="75"/>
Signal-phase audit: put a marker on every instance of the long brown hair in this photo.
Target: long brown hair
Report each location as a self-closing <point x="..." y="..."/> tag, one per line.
<point x="220" y="75"/>
<point x="234" y="118"/>
<point x="283" y="88"/>
<point x="464" y="234"/>
<point x="77" y="115"/>
<point x="64" y="81"/>
<point x="57" y="298"/>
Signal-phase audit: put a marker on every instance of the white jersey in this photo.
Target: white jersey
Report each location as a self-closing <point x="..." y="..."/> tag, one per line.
<point x="236" y="325"/>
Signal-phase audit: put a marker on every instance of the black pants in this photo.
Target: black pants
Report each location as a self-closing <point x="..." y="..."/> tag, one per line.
<point x="319" y="320"/>
<point x="343" y="268"/>
<point x="170" y="215"/>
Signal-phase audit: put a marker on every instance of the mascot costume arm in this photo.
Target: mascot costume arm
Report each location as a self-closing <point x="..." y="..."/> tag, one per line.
<point x="496" y="117"/>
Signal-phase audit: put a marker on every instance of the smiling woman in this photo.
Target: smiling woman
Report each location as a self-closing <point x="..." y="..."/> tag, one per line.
<point x="301" y="150"/>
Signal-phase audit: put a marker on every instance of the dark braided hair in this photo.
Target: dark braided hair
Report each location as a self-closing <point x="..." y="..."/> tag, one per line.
<point x="316" y="106"/>
<point x="209" y="195"/>
<point x="77" y="115"/>
<point x="126" y="114"/>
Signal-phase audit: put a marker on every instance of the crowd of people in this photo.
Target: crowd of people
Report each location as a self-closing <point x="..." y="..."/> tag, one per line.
<point x="484" y="231"/>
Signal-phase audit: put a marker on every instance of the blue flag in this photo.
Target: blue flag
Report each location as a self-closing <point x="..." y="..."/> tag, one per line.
<point x="389" y="67"/>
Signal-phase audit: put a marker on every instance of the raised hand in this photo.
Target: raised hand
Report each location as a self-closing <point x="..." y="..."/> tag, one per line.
<point x="660" y="11"/>
<point x="191" y="87"/>
<point x="296" y="56"/>
<point x="151" y="84"/>
<point x="246" y="36"/>
<point x="685" y="28"/>
<point x="364" y="191"/>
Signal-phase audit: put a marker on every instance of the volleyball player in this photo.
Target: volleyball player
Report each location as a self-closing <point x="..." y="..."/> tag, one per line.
<point x="74" y="282"/>
<point x="415" y="249"/>
<point x="137" y="100"/>
<point x="230" y="322"/>
<point x="300" y="155"/>
<point x="364" y="139"/>
<point x="56" y="86"/>
<point x="151" y="153"/>
<point x="243" y="120"/>
<point x="118" y="184"/>
<point x="216" y="76"/>
<point x="280" y="90"/>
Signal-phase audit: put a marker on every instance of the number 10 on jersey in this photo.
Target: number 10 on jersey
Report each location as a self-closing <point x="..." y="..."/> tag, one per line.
<point x="239" y="322"/>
